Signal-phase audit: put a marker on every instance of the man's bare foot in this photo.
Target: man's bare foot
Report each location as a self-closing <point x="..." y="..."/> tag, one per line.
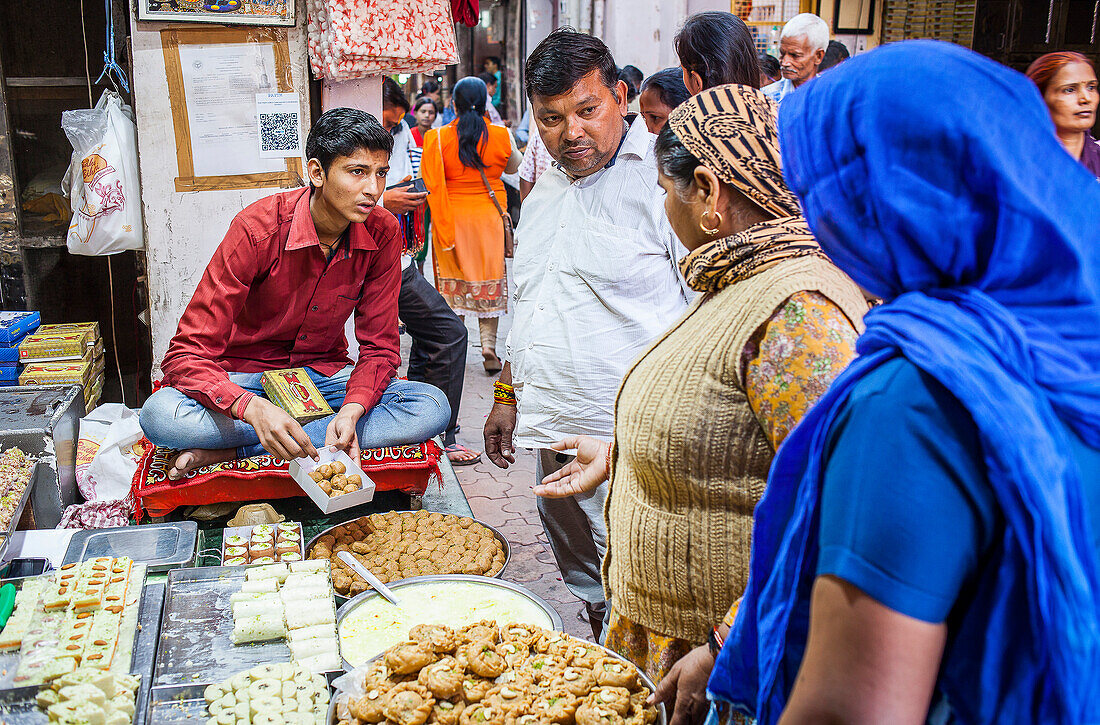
<point x="193" y="458"/>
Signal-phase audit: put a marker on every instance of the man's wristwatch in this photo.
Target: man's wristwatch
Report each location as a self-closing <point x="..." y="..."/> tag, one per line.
<point x="715" y="641"/>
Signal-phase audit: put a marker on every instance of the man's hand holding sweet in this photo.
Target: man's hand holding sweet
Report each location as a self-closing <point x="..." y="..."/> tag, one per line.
<point x="279" y="434"/>
<point x="399" y="201"/>
<point x="341" y="430"/>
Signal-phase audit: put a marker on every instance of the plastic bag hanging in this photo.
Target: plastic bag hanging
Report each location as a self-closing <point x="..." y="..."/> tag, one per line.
<point x="102" y="180"/>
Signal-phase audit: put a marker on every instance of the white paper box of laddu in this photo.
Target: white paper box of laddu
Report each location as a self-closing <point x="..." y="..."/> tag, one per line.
<point x="300" y="468"/>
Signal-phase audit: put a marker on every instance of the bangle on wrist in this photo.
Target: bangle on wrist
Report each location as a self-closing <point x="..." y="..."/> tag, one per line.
<point x="504" y="393"/>
<point x="608" y="462"/>
<point x="715" y="642"/>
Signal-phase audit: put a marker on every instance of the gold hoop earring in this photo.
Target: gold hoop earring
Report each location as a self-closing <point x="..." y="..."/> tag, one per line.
<point x="703" y="219"/>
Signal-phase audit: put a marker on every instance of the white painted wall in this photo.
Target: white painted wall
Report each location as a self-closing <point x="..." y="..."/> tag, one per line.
<point x="182" y="230"/>
<point x="640" y="32"/>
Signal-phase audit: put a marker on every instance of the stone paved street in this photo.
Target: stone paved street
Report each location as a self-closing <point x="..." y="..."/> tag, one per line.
<point x="503" y="498"/>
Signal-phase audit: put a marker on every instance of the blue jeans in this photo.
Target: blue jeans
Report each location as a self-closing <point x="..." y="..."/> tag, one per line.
<point x="409" y="412"/>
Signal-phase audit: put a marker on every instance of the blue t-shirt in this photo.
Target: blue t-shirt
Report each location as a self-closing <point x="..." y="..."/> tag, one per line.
<point x="907" y="513"/>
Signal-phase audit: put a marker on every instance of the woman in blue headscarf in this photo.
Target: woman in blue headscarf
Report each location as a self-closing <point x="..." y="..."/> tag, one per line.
<point x="927" y="546"/>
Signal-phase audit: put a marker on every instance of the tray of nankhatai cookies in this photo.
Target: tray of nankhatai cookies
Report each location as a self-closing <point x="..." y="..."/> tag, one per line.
<point x="485" y="674"/>
<point x="402" y="544"/>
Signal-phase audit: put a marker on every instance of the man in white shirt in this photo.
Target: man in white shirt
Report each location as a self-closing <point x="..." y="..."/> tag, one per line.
<point x="439" y="337"/>
<point x="596" y="281"/>
<point x="802" y="47"/>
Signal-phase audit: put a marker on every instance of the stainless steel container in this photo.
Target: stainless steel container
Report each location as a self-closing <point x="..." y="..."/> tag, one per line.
<point x="44" y="421"/>
<point x="499" y="537"/>
<point x="662" y="714"/>
<point x="357" y="601"/>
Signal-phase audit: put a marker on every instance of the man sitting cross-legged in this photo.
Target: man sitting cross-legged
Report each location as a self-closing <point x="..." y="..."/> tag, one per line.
<point x="291" y="269"/>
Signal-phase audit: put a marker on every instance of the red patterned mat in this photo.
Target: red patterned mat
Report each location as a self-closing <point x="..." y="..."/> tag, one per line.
<point x="397" y="468"/>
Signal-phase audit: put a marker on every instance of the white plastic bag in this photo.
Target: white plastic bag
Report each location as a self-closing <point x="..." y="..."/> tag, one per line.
<point x="102" y="180"/>
<point x="106" y="461"/>
<point x="108" y="476"/>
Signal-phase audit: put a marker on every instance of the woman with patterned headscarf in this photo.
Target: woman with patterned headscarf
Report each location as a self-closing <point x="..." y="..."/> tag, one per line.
<point x="700" y="415"/>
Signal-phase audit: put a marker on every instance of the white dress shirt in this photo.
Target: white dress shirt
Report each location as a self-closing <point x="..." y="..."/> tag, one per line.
<point x="596" y="281"/>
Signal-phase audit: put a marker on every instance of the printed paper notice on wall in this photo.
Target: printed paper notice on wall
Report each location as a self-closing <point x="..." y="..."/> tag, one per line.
<point x="278" y="121"/>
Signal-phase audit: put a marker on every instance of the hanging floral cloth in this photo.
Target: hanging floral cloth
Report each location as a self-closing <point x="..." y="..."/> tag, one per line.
<point x="465" y="12"/>
<point x="356" y="38"/>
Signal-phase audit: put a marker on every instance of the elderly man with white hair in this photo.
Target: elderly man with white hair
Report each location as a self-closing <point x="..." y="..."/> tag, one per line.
<point x="801" y="49"/>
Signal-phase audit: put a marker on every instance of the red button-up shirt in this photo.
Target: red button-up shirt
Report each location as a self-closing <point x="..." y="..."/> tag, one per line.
<point x="269" y="299"/>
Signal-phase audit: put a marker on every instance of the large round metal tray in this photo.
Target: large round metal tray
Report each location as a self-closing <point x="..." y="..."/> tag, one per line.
<point x="340" y="599"/>
<point x="662" y="714"/>
<point x="358" y="600"/>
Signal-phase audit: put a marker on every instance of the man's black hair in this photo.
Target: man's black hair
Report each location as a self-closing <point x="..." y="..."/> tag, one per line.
<point x="563" y="58"/>
<point x="834" y="54"/>
<point x="634" y="76"/>
<point x="392" y="95"/>
<point x="342" y="132"/>
<point x="719" y="47"/>
<point x="632" y="89"/>
<point x="769" y="66"/>
<point x="430" y="86"/>
<point x="669" y="86"/>
<point x="494" y="58"/>
<point x="487" y="78"/>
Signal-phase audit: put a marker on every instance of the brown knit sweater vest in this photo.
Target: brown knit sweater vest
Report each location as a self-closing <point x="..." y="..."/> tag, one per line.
<point x="690" y="458"/>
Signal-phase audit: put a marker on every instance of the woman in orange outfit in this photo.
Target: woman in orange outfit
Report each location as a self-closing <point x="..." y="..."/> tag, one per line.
<point x="467" y="230"/>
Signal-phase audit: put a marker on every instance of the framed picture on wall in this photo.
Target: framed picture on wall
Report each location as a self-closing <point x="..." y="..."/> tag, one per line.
<point x="853" y="17"/>
<point x="223" y="12"/>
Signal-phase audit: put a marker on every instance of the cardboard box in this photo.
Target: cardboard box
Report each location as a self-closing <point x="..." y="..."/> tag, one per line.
<point x="52" y="346"/>
<point x="94" y="390"/>
<point x="9" y="374"/>
<point x="14" y="326"/>
<point x="72" y="327"/>
<point x="293" y="391"/>
<point x="62" y="372"/>
<point x="10" y="355"/>
<point x="300" y="469"/>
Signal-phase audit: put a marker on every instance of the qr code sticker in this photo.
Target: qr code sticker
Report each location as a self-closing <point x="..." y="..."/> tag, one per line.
<point x="278" y="131"/>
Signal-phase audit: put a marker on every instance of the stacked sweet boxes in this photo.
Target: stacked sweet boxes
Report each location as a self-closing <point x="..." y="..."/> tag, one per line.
<point x="66" y="354"/>
<point x="14" y="327"/>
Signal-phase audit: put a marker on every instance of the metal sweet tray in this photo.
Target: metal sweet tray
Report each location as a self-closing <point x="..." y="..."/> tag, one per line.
<point x="17" y="705"/>
<point x="159" y="546"/>
<point x="37" y="473"/>
<point x="195" y="645"/>
<point x="360" y="599"/>
<point x="175" y="704"/>
<point x="662" y="714"/>
<point x="340" y="599"/>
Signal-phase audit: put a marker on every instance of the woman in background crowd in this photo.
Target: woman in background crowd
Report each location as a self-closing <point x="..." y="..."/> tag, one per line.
<point x="661" y="92"/>
<point x="424" y="113"/>
<point x="927" y="546"/>
<point x="774" y="323"/>
<point x="769" y="69"/>
<point x="460" y="160"/>
<point x="1068" y="84"/>
<point x="633" y="76"/>
<point x="716" y="48"/>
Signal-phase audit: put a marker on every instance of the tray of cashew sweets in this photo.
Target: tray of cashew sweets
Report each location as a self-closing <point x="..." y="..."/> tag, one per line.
<point x="402" y="544"/>
<point x="485" y="674"/>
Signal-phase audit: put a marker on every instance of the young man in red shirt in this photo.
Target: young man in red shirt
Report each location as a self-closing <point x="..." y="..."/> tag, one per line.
<point x="292" y="268"/>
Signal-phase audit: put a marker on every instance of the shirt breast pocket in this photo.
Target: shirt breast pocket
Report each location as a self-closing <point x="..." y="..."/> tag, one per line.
<point x="605" y="254"/>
